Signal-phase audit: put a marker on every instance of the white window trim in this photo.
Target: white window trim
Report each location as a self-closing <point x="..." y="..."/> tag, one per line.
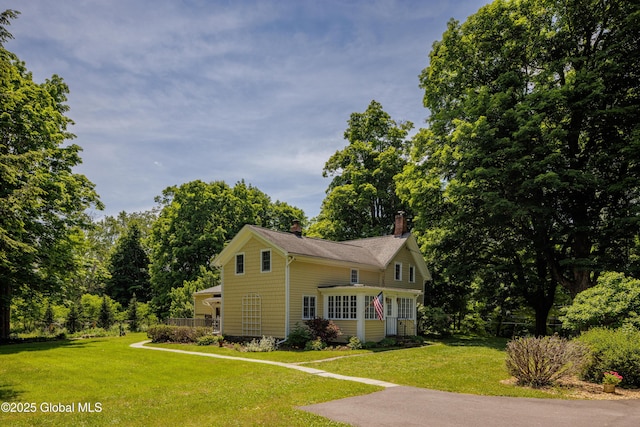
<point x="244" y="264"/>
<point x="346" y="304"/>
<point x="410" y="308"/>
<point x="357" y="276"/>
<point x="315" y="307"/>
<point x="396" y="277"/>
<point x="262" y="262"/>
<point x="412" y="273"/>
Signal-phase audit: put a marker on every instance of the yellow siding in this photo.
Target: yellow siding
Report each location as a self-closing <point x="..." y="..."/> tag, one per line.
<point x="305" y="278"/>
<point x="405" y="257"/>
<point x="374" y="330"/>
<point x="200" y="310"/>
<point x="269" y="286"/>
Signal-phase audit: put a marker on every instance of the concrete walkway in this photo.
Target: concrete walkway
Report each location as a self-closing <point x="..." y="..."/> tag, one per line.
<point x="411" y="406"/>
<point x="312" y="371"/>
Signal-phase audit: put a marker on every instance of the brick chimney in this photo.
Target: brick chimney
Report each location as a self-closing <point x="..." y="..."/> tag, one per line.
<point x="400" y="225"/>
<point x="296" y="228"/>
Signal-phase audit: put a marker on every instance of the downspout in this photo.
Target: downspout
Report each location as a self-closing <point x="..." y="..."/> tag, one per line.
<point x="287" y="277"/>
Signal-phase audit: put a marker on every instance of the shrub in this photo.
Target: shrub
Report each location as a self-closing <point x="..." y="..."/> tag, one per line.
<point x="538" y="362"/>
<point x="299" y="336"/>
<point x="315" y="345"/>
<point x="613" y="302"/>
<point x="613" y="350"/>
<point x="179" y="334"/>
<point x="354" y="343"/>
<point x="387" y="342"/>
<point x="264" y="345"/>
<point x="210" y="340"/>
<point x="323" y="329"/>
<point x="433" y="321"/>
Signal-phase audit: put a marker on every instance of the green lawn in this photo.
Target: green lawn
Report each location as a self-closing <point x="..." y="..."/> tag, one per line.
<point x="140" y="387"/>
<point x="143" y="387"/>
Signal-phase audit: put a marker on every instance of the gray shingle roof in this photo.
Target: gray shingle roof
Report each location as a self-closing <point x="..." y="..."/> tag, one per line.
<point x="374" y="251"/>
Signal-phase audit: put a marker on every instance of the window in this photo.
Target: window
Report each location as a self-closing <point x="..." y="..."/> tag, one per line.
<point x="354" y="276"/>
<point x="240" y="264"/>
<point x="342" y="307"/>
<point x="308" y="307"/>
<point x="370" y="311"/>
<point x="398" y="271"/>
<point x="265" y="257"/>
<point x="387" y="302"/>
<point x="406" y="308"/>
<point x="412" y="274"/>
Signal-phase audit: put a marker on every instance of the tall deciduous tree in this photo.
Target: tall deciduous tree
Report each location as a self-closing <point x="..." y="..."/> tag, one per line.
<point x="361" y="199"/>
<point x="41" y="199"/>
<point x="534" y="140"/>
<point x="195" y="221"/>
<point x="129" y="268"/>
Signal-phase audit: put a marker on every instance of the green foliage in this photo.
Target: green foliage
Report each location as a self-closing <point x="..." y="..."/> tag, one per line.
<point x="532" y="149"/>
<point x="354" y="343"/>
<point x="48" y="320"/>
<point x="74" y="319"/>
<point x="540" y="361"/>
<point x="315" y="345"/>
<point x="195" y="221"/>
<point x="323" y="329"/>
<point x="42" y="201"/>
<point x="132" y="315"/>
<point x="361" y="200"/>
<point x="105" y="317"/>
<point x="387" y="342"/>
<point x="613" y="350"/>
<point x="128" y="267"/>
<point x="265" y="344"/>
<point x="177" y="334"/>
<point x="182" y="297"/>
<point x="613" y="302"/>
<point x="433" y="321"/>
<point x="299" y="336"/>
<point x="210" y="340"/>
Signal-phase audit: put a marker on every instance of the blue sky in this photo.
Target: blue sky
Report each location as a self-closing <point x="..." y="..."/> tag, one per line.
<point x="166" y="92"/>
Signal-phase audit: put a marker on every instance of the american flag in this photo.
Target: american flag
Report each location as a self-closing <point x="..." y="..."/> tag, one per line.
<point x="377" y="303"/>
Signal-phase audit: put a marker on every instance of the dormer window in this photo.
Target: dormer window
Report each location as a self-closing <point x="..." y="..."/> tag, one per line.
<point x="355" y="276"/>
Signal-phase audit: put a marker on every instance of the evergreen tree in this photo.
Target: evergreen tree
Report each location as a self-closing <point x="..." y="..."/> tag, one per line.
<point x="48" y="318"/>
<point x="129" y="269"/>
<point x="74" y="318"/>
<point x="105" y="320"/>
<point x="132" y="315"/>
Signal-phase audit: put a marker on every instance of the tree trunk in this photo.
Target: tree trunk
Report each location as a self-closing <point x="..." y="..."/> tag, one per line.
<point x="5" y="310"/>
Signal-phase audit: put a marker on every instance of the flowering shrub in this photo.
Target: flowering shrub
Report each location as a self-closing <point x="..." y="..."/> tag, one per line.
<point x="611" y="377"/>
<point x="264" y="345"/>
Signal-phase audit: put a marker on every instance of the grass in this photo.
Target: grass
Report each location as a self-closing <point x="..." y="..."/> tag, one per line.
<point x="138" y="387"/>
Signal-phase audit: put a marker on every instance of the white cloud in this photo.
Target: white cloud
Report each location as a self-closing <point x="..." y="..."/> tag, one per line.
<point x="164" y="92"/>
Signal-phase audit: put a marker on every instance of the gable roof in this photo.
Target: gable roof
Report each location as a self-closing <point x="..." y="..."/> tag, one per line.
<point x="376" y="252"/>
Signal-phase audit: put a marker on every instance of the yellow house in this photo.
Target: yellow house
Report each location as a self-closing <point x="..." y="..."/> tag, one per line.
<point x="272" y="280"/>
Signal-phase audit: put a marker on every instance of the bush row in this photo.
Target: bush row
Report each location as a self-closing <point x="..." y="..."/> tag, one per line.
<point x="179" y="334"/>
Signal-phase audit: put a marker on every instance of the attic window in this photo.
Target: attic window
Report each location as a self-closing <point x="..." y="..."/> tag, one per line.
<point x="354" y="276"/>
<point x="412" y="274"/>
<point x="265" y="258"/>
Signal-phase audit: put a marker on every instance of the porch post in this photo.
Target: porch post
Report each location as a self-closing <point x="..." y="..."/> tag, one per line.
<point x="360" y="317"/>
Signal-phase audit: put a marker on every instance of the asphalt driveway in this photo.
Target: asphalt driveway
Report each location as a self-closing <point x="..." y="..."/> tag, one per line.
<point x="411" y="406"/>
